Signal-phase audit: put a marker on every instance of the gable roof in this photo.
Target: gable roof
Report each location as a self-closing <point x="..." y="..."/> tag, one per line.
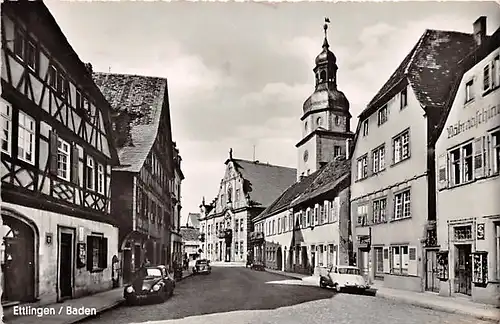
<point x="429" y="69"/>
<point x="284" y="200"/>
<point x="264" y="182"/>
<point x="189" y="233"/>
<point x="193" y="220"/>
<point x="141" y="97"/>
<point x="330" y="177"/>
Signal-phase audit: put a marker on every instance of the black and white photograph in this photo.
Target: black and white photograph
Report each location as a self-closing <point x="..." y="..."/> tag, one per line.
<point x="250" y="162"/>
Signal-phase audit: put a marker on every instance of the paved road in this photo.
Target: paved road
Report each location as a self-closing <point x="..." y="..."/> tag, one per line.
<point x="247" y="296"/>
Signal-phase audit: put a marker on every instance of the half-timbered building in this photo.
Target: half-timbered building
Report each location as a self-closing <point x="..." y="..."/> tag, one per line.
<point x="142" y="184"/>
<point x="56" y="159"/>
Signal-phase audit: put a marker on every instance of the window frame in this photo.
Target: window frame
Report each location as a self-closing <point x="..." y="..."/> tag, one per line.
<point x="60" y="152"/>
<point x="19" y="40"/>
<point x="379" y="214"/>
<point x="31" y="45"/>
<point x="382" y="116"/>
<point x="362" y="172"/>
<point x="378" y="159"/>
<point x="90" y="164"/>
<point x="404" y="203"/>
<point x="100" y="178"/>
<point x="398" y="145"/>
<point x="469" y="91"/>
<point x="456" y="160"/>
<point x="25" y="131"/>
<point x="486" y="77"/>
<point x="494" y="137"/>
<point x="97" y="242"/>
<point x="403" y="98"/>
<point x="362" y="217"/>
<point x="6" y="118"/>
<point x="401" y="259"/>
<point x="365" y="127"/>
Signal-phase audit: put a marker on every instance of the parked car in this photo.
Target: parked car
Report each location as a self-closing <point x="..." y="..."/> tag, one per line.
<point x="151" y="283"/>
<point x="343" y="277"/>
<point x="259" y="266"/>
<point x="202" y="266"/>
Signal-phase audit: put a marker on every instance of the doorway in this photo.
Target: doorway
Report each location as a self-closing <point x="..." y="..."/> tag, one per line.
<point x="18" y="260"/>
<point x="127" y="265"/>
<point x="431" y="271"/>
<point x="65" y="263"/>
<point x="137" y="257"/>
<point x="463" y="269"/>
<point x="279" y="259"/>
<point x="228" y="252"/>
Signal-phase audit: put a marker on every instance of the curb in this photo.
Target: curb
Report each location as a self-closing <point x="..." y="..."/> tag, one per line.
<point x="442" y="308"/>
<point x="101" y="310"/>
<point x="284" y="274"/>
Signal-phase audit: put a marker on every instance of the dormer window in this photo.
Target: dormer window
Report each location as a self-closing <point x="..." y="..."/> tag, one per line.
<point x="469" y="91"/>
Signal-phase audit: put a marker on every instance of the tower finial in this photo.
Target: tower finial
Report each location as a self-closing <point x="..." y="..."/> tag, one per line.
<point x="325" y="28"/>
<point x="231" y="153"/>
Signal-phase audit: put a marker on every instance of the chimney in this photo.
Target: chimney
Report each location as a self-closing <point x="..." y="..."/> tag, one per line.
<point x="479" y="30"/>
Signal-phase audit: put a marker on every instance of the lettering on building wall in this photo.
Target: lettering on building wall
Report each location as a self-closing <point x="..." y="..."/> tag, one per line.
<point x="482" y="116"/>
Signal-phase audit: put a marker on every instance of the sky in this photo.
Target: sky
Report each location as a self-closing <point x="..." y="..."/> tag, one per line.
<point x="239" y="73"/>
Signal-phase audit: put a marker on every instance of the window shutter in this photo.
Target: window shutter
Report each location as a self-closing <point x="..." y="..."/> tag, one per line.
<point x="479" y="166"/>
<point x="74" y="164"/>
<point x="386" y="260"/>
<point x="103" y="253"/>
<point x="412" y="261"/>
<point x="90" y="249"/>
<point x="53" y="153"/>
<point x="442" y="162"/>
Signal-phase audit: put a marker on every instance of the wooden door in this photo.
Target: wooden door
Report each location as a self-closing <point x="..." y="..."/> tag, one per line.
<point x="431" y="271"/>
<point x="463" y="269"/>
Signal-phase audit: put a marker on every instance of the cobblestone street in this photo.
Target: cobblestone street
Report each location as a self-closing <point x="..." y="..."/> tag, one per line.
<point x="247" y="296"/>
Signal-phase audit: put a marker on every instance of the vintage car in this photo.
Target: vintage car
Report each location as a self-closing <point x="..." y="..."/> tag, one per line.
<point x="202" y="266"/>
<point x="150" y="283"/>
<point x="343" y="277"/>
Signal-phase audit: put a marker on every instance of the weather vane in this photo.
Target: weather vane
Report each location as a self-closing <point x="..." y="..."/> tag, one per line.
<point x="325" y="26"/>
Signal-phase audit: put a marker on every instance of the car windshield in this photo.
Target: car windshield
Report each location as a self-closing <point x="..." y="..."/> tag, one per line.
<point x="151" y="272"/>
<point x="351" y="271"/>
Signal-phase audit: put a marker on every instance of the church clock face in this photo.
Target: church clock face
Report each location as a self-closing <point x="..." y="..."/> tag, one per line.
<point x="306" y="155"/>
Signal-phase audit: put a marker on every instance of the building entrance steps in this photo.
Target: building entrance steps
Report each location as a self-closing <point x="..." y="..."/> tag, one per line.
<point x="101" y="302"/>
<point x="422" y="299"/>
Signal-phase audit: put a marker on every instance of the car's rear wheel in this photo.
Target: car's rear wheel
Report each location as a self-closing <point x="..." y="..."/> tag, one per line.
<point x="322" y="283"/>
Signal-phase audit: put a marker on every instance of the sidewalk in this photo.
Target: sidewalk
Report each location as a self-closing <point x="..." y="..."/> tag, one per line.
<point x="101" y="302"/>
<point x="422" y="299"/>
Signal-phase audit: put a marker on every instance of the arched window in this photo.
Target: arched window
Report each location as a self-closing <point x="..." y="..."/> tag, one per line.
<point x="319" y="121"/>
<point x="305" y="126"/>
<point x="337" y="120"/>
<point x="229" y="194"/>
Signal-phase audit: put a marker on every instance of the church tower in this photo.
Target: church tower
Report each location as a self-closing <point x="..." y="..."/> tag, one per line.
<point x="325" y="119"/>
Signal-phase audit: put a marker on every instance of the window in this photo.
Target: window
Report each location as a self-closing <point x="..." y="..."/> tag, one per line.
<point x="63" y="162"/>
<point x="469" y="91"/>
<point x="403" y="98"/>
<point x="285" y="223"/>
<point x="379" y="260"/>
<point x="365" y="128"/>
<point x="495" y="141"/>
<point x="241" y="247"/>
<point x="237" y="195"/>
<point x="53" y="77"/>
<point x="315" y="215"/>
<point x="461" y="168"/>
<point x="6" y="117"/>
<point x="26" y="138"/>
<point x="236" y="227"/>
<point x="400" y="259"/>
<point x="401" y="147"/>
<point x="273" y="228"/>
<point x="336" y="151"/>
<point x="308" y="221"/>
<point x="236" y="245"/>
<point x="378" y="157"/>
<point x="241" y="225"/>
<point x="362" y="167"/>
<point x="495" y="68"/>
<point x="337" y="120"/>
<point x="362" y="215"/>
<point x="486" y="78"/>
<point x="379" y="211"/>
<point x="31" y="55"/>
<point x="402" y="205"/>
<point x="382" y="115"/>
<point x="19" y="44"/>
<point x="100" y="178"/>
<point x="90" y="173"/>
<point x="97" y="252"/>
